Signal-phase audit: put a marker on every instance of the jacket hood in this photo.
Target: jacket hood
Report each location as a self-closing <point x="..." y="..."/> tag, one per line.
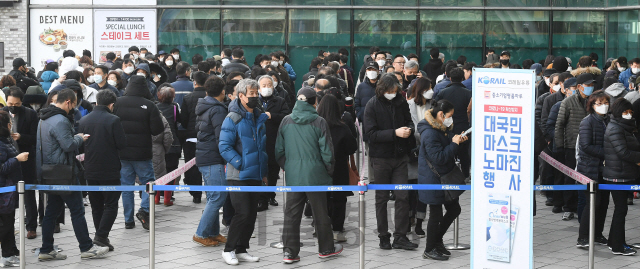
<point x="437" y="63"/>
<point x="69" y="64"/>
<point x="303" y="113"/>
<point x="49" y="76"/>
<point x="560" y="64"/>
<point x="207" y="103"/>
<point x="430" y="122"/>
<point x="137" y="86"/>
<point x="593" y="70"/>
<point x="51" y="111"/>
<point x="627" y="125"/>
<point x="144" y="67"/>
<point x="615" y="89"/>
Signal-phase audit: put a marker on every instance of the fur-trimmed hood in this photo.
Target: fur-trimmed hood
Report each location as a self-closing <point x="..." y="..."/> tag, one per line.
<point x="593" y="70"/>
<point x="431" y="121"/>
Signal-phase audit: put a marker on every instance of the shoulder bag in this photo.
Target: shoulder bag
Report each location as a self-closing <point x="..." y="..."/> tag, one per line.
<point x="455" y="177"/>
<point x="56" y="174"/>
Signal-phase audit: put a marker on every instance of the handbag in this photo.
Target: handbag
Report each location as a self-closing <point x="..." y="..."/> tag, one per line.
<point x="56" y="174"/>
<point x="354" y="176"/>
<point x="455" y="177"/>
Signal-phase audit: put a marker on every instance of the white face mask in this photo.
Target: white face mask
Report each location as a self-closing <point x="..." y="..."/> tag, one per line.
<point x="274" y="63"/>
<point x="141" y="74"/>
<point x="635" y="70"/>
<point x="169" y="63"/>
<point x="538" y="78"/>
<point x="428" y="94"/>
<point x="90" y="79"/>
<point x="389" y="96"/>
<point x="112" y="82"/>
<point x="546" y="80"/>
<point x="281" y="62"/>
<point x="602" y="109"/>
<point x="448" y="121"/>
<point x="372" y="74"/>
<point x="569" y="68"/>
<point x="621" y="69"/>
<point x="627" y="116"/>
<point x="275" y="84"/>
<point x="176" y="56"/>
<point x="97" y="79"/>
<point x="129" y="70"/>
<point x="266" y="92"/>
<point x="381" y="63"/>
<point x="556" y="88"/>
<point x="160" y="59"/>
<point x="135" y="56"/>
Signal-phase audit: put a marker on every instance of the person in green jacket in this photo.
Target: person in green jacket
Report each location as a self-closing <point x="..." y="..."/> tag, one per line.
<point x="305" y="150"/>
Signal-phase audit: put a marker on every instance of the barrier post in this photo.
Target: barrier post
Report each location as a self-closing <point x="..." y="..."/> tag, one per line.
<point x="23" y="262"/>
<point x="592" y="222"/>
<point x="455" y="245"/>
<point x="361" y="207"/>
<point x="152" y="225"/>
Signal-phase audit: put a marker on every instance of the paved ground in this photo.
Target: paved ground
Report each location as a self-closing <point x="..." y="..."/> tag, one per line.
<point x="554" y="242"/>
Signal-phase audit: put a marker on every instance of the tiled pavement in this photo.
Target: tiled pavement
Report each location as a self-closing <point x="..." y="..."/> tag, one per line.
<point x="554" y="242"/>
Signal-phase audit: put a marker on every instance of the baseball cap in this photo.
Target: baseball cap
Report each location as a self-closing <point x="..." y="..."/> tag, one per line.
<point x="306" y="93"/>
<point x="585" y="78"/>
<point x="548" y="72"/>
<point x="372" y="64"/>
<point x="570" y="82"/>
<point x="17" y="62"/>
<point x="505" y="53"/>
<point x="537" y="67"/>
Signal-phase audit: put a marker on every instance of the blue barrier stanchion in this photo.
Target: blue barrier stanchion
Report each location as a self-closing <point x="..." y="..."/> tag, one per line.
<point x="152" y="224"/>
<point x="592" y="222"/>
<point x="361" y="209"/>
<point x="20" y="187"/>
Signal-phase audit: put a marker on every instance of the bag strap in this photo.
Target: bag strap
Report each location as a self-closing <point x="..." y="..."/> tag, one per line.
<point x="344" y="70"/>
<point x="175" y="117"/>
<point x="431" y="167"/>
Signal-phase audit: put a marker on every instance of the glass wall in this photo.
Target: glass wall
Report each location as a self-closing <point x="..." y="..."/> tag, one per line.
<point x="576" y="34"/>
<point x="454" y="32"/>
<point x="190" y="30"/>
<point x="257" y="31"/>
<point x="623" y="33"/>
<point x="525" y="34"/>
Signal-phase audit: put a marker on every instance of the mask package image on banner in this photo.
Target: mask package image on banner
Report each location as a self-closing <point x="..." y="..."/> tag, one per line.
<point x="499" y="228"/>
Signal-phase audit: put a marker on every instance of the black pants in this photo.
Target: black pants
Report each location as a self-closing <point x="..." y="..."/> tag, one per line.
<point x="293" y="215"/>
<point x="438" y="223"/>
<point x="227" y="211"/>
<point x="570" y="197"/>
<point x="417" y="209"/>
<point x="272" y="178"/>
<point x="464" y="155"/>
<point x="104" y="206"/>
<point x="172" y="161"/>
<point x="244" y="219"/>
<point x="392" y="171"/>
<point x="547" y="173"/>
<point x="337" y="205"/>
<point x="41" y="198"/>
<point x="602" y="204"/>
<point x="7" y="237"/>
<point x="192" y="176"/>
<point x="617" y="231"/>
<point x="31" y="206"/>
<point x="558" y="179"/>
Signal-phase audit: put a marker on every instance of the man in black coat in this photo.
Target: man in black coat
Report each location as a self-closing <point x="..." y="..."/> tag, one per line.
<point x="434" y="67"/>
<point x="24" y="132"/>
<point x="140" y="119"/>
<point x="188" y="121"/>
<point x="236" y="64"/>
<point x="459" y="96"/>
<point x="102" y="163"/>
<point x="276" y="108"/>
<point x="21" y="74"/>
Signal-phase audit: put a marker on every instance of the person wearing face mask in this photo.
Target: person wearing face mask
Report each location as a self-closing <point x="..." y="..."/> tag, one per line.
<point x="143" y="70"/>
<point x="128" y="69"/>
<point x="276" y="108"/>
<point x="460" y="97"/>
<point x="21" y="74"/>
<point x="538" y="68"/>
<point x="590" y="162"/>
<point x="438" y="145"/>
<point x="244" y="128"/>
<point x="505" y="60"/>
<point x="23" y="131"/>
<point x="381" y="60"/>
<point x="622" y="157"/>
<point x="176" y="54"/>
<point x="420" y="101"/>
<point x="134" y="53"/>
<point x="572" y="111"/>
<point x="389" y="131"/>
<point x="169" y="65"/>
<point x="280" y="90"/>
<point x="634" y="69"/>
<point x="410" y="71"/>
<point x="545" y="84"/>
<point x="366" y="90"/>
<point x="100" y="83"/>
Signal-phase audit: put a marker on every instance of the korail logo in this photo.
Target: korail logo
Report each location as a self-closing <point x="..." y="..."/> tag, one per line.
<point x="635" y="187"/>
<point x="403" y="187"/>
<point x="180" y="188"/>
<point x="450" y="187"/>
<point x="233" y="188"/>
<point x="334" y="188"/>
<point x="487" y="80"/>
<point x="283" y="189"/>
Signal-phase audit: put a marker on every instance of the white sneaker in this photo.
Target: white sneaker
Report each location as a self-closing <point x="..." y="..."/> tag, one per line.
<point x="9" y="262"/>
<point x="339" y="236"/>
<point x="246" y="257"/>
<point x="224" y="231"/>
<point x="95" y="252"/>
<point x="85" y="201"/>
<point x="230" y="257"/>
<point x="253" y="235"/>
<point x="220" y="211"/>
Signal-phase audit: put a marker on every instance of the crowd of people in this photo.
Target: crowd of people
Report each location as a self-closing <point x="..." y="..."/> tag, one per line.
<point x="134" y="118"/>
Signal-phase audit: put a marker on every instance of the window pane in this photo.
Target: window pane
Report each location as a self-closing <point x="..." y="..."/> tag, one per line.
<point x="188" y="2"/>
<point x="455" y="33"/>
<point x="452" y="3"/>
<point x="578" y="3"/>
<point x="576" y="34"/>
<point x="617" y="3"/>
<point x="252" y="2"/>
<point x="300" y="59"/>
<point x="320" y="2"/>
<point x="257" y="31"/>
<point x="525" y="34"/>
<point x="517" y="3"/>
<point x="391" y="30"/>
<point x="190" y="30"/>
<point x="623" y="33"/>
<point x="385" y="2"/>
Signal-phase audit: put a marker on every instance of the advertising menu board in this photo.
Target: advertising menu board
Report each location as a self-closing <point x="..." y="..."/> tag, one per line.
<point x="502" y="168"/>
<point x="115" y="30"/>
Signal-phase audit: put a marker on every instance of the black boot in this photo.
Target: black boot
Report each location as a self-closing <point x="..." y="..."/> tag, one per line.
<point x="419" y="232"/>
<point x="385" y="241"/>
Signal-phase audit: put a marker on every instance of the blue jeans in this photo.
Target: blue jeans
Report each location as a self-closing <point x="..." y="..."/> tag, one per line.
<point x="55" y="204"/>
<point x="213" y="175"/>
<point x="128" y="172"/>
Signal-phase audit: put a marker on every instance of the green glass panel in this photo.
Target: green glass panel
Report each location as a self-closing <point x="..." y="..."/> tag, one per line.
<point x="320" y="2"/>
<point x="452" y="3"/>
<point x="319" y="27"/>
<point x="576" y="34"/>
<point x="190" y="30"/>
<point x="385" y="2"/>
<point x="578" y="3"/>
<point x="517" y="3"/>
<point x="454" y="32"/>
<point x="391" y="30"/>
<point x="623" y="33"/>
<point x="188" y="2"/>
<point x="253" y="27"/>
<point x="525" y="34"/>
<point x="253" y="2"/>
<point x="300" y="59"/>
<point x="618" y="3"/>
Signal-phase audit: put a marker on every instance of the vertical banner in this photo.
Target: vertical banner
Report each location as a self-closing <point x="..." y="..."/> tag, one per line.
<point x="502" y="168"/>
<point x="52" y="31"/>
<point x="115" y="30"/>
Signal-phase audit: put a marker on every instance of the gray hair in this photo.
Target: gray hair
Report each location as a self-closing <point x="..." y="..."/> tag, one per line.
<point x="441" y="56"/>
<point x="245" y="84"/>
<point x="411" y="65"/>
<point x="266" y="77"/>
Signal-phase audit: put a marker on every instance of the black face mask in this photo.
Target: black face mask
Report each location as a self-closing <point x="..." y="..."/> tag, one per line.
<point x="253" y="102"/>
<point x="504" y="62"/>
<point x="14" y="109"/>
<point x="411" y="78"/>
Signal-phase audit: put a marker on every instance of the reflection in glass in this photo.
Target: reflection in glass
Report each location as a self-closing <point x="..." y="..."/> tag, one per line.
<point x="452" y="3"/>
<point x="455" y="33"/>
<point x="525" y="34"/>
<point x="517" y="3"/>
<point x="576" y="34"/>
<point x="190" y="30"/>
<point x="257" y="31"/>
<point x="623" y="33"/>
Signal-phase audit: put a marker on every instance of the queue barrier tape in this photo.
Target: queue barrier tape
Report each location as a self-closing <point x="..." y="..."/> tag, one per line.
<point x="7" y="189"/>
<point x="259" y="188"/>
<point x="31" y="187"/>
<point x="616" y="187"/>
<point x="560" y="187"/>
<point x="565" y="169"/>
<point x="395" y="187"/>
<point x="175" y="173"/>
